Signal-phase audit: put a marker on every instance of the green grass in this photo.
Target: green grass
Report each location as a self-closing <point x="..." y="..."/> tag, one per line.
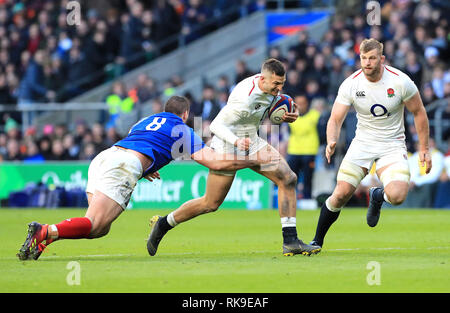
<point x="235" y="251"/>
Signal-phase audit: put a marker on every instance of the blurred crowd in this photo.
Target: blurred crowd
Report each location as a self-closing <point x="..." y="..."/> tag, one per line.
<point x="49" y="54"/>
<point x="416" y="41"/>
<point x="55" y="142"/>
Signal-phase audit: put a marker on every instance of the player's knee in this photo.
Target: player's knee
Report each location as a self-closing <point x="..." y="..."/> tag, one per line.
<point x="292" y="180"/>
<point x="289" y="180"/>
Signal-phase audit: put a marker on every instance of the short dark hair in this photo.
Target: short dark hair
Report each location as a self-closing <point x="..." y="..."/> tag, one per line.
<point x="274" y="66"/>
<point x="177" y="105"/>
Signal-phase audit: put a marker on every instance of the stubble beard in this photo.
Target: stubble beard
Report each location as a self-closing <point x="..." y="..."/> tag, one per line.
<point x="374" y="73"/>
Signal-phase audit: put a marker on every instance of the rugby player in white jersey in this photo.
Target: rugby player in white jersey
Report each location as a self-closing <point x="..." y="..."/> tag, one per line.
<point x="235" y="131"/>
<point x="379" y="94"/>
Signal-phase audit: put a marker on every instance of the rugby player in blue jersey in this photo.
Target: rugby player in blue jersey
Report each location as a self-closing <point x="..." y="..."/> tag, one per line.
<point x="152" y="143"/>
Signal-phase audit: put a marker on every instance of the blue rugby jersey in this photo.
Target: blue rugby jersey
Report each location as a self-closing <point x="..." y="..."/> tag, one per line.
<point x="163" y="137"/>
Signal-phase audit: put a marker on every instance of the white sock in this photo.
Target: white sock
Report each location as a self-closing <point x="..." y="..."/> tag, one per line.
<point x="288" y="222"/>
<point x="171" y="220"/>
<point x="386" y="198"/>
<point x="330" y="207"/>
<point x="53" y="229"/>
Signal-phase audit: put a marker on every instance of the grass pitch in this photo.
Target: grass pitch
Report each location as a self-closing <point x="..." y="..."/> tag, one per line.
<point x="235" y="251"/>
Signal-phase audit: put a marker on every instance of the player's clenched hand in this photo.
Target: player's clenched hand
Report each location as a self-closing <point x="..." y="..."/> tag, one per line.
<point x="152" y="176"/>
<point x="291" y="117"/>
<point x="425" y="160"/>
<point x="329" y="150"/>
<point x="243" y="144"/>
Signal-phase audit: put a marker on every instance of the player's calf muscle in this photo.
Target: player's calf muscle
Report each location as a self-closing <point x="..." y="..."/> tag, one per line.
<point x="100" y="227"/>
<point x="210" y="204"/>
<point x="286" y="207"/>
<point x="99" y="232"/>
<point x="396" y="200"/>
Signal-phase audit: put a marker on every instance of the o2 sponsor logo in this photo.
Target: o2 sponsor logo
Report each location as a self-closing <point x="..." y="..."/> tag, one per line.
<point x="379" y="110"/>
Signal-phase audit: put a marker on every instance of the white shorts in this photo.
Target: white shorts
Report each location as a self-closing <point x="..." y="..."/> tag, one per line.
<point x="223" y="147"/>
<point x="114" y="172"/>
<point x="364" y="154"/>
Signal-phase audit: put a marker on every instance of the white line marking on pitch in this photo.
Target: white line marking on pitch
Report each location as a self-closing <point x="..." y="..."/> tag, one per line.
<point x="396" y="248"/>
<point x="199" y="253"/>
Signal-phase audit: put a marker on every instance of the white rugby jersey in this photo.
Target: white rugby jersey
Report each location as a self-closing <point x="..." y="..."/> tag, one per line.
<point x="379" y="105"/>
<point x="246" y="107"/>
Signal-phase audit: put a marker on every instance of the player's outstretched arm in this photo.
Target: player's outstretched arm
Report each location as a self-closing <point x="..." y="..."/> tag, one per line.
<point x="334" y="125"/>
<point x="415" y="106"/>
<point x="227" y="162"/>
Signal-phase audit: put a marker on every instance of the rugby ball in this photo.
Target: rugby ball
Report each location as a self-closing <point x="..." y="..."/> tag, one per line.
<point x="282" y="104"/>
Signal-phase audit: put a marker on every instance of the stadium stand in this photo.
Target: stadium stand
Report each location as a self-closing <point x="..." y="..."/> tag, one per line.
<point x="42" y="59"/>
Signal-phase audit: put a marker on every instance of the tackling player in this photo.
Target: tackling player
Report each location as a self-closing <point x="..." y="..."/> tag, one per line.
<point x="152" y="143"/>
<point x="235" y="131"/>
<point x="379" y="94"/>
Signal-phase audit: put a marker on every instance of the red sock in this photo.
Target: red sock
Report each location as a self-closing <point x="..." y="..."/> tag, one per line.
<point x="74" y="228"/>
